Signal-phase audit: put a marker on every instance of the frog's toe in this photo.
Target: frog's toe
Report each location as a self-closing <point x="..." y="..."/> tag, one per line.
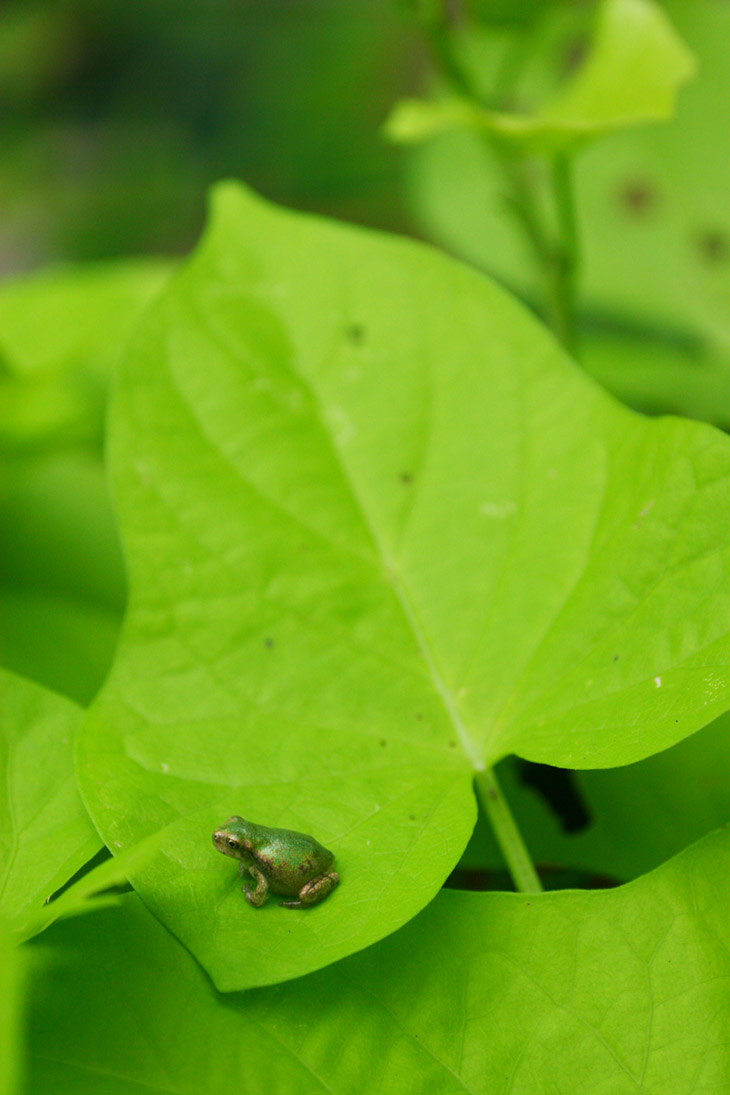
<point x="254" y="897"/>
<point x="313" y="892"/>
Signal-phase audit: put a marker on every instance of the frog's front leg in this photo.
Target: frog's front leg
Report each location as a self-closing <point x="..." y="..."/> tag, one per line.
<point x="313" y="892"/>
<point x="258" y="895"/>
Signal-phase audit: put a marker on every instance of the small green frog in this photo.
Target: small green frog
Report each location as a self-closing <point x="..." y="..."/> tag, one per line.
<point x="279" y="860"/>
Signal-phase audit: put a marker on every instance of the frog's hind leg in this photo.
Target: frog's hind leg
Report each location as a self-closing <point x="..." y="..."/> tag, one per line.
<point x="258" y="895"/>
<point x="313" y="892"/>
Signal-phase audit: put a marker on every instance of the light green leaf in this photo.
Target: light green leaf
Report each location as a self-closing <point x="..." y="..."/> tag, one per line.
<point x="610" y="992"/>
<point x="633" y="73"/>
<point x="76" y="317"/>
<point x="655" y="215"/>
<point x="94" y="890"/>
<point x="45" y="832"/>
<point x="61" y="333"/>
<point x="10" y="1012"/>
<point x="380" y="532"/>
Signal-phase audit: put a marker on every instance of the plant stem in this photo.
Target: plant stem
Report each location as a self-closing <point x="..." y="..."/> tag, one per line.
<point x="557" y="261"/>
<point x="508" y="835"/>
<point x="566" y="256"/>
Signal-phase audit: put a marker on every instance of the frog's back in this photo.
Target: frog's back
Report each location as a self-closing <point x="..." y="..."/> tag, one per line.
<point x="290" y="859"/>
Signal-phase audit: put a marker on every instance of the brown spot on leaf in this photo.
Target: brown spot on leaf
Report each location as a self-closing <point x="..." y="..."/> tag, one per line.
<point x="713" y="246"/>
<point x="575" y="53"/>
<point x="637" y="197"/>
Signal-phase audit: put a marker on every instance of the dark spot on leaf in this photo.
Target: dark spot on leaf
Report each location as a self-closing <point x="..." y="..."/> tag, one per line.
<point x="406" y="478"/>
<point x="575" y="53"/>
<point x="557" y="787"/>
<point x="615" y="657"/>
<point x="356" y="334"/>
<point x="411" y="817"/>
<point x="452" y="745"/>
<point x="419" y="715"/>
<point x="713" y="246"/>
<point x="637" y="197"/>
<point x="383" y="741"/>
<point x="268" y="643"/>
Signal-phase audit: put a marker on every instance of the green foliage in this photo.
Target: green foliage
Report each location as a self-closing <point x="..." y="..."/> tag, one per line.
<point x="634" y="70"/>
<point x="303" y="616"/>
<point x="521" y="997"/>
<point x="386" y="545"/>
<point x="504" y="11"/>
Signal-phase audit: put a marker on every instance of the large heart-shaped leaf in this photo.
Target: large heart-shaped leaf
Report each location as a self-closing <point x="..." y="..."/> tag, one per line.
<point x="380" y="533"/>
<point x="46" y="834"/>
<point x="614" y="992"/>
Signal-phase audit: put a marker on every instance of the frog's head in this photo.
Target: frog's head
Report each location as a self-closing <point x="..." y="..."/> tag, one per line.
<point x="234" y="837"/>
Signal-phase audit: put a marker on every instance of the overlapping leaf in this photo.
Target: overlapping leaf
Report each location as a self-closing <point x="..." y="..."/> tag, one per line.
<point x="380" y="533"/>
<point x="46" y="834"/>
<point x="75" y="317"/>
<point x="610" y="992"/>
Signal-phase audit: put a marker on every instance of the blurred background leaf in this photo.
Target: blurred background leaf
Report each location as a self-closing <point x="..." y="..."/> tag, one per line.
<point x="633" y="68"/>
<point x="654" y="280"/>
<point x="61" y="574"/>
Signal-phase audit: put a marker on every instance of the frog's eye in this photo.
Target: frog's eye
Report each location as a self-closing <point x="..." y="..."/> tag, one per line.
<point x="232" y="844"/>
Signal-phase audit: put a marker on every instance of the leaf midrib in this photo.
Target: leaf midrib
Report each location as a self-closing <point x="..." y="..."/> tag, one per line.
<point x="389" y="571"/>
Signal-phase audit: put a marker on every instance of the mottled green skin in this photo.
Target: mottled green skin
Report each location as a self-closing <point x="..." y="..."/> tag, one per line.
<point x="279" y="860"/>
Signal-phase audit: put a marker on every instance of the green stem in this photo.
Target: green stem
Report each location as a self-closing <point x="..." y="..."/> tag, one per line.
<point x="557" y="261"/>
<point x="566" y="256"/>
<point x="508" y="835"/>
